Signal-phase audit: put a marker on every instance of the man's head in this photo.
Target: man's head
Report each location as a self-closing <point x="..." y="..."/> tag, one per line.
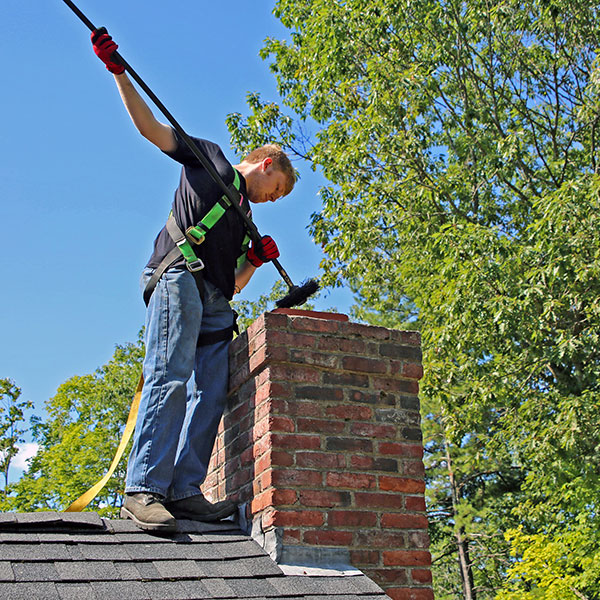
<point x="268" y="172"/>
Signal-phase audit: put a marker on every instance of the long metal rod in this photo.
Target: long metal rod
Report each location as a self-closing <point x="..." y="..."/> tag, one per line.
<point x="254" y="233"/>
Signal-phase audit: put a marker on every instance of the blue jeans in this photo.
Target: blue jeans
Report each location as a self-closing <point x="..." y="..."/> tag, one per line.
<point x="177" y="423"/>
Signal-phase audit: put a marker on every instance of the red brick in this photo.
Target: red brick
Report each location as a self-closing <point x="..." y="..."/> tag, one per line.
<point x="274" y="498"/>
<point x="407" y="386"/>
<point x="320" y="426"/>
<point x="415" y="503"/>
<point x="328" y="538"/>
<point x="400" y="521"/>
<point x="317" y="325"/>
<point x="364" y="557"/>
<point x="321" y="460"/>
<point x="413" y="468"/>
<point x="282" y="424"/>
<point x="291" y="340"/>
<point x="292" y="536"/>
<point x="353" y="481"/>
<point x="364" y="365"/>
<point x="375" y="500"/>
<point x="366" y="331"/>
<point x="294" y="373"/>
<point x="421" y="575"/>
<point x="297" y="477"/>
<point x="298" y="518"/>
<point x="401" y="484"/>
<point x="407" y="558"/>
<point x="374" y="431"/>
<point x="350" y="413"/>
<point x="351" y="518"/>
<point x="338" y="344"/>
<point x="388" y="577"/>
<point x="410" y="593"/>
<point x="319" y="359"/>
<point x="397" y="449"/>
<point x="324" y="499"/>
<point x="412" y="370"/>
<point x="295" y="442"/>
<point x="380" y="539"/>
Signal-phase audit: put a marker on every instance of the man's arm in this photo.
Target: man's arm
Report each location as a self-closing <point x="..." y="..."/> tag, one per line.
<point x="243" y="276"/>
<point x="158" y="133"/>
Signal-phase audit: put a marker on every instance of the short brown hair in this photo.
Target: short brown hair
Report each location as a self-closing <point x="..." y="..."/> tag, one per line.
<point x="281" y="162"/>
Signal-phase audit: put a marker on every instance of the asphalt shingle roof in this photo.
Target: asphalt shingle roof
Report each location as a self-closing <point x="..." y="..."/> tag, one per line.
<point x="80" y="556"/>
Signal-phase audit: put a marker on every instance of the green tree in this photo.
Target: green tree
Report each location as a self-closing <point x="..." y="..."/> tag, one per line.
<point x="12" y="414"/>
<point x="79" y="438"/>
<point x="458" y="142"/>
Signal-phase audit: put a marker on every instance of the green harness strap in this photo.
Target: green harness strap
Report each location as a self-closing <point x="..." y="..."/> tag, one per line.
<point x="194" y="235"/>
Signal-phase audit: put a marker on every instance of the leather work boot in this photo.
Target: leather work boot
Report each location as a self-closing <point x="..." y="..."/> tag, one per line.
<point x="198" y="508"/>
<point x="148" y="512"/>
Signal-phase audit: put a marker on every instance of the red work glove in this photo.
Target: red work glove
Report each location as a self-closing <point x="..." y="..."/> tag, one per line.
<point x="263" y="251"/>
<point x="104" y="46"/>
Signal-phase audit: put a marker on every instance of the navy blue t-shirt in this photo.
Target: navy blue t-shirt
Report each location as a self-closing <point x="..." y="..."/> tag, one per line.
<point x="196" y="194"/>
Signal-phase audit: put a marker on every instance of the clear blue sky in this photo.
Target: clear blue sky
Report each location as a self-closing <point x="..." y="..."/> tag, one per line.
<point x="83" y="194"/>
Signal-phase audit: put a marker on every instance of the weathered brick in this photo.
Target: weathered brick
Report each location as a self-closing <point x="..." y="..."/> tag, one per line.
<point x="309" y="392"/>
<point x="297" y="477"/>
<point x="295" y="518"/>
<point x="374" y="431"/>
<point x="316" y="325"/>
<point x="342" y="444"/>
<point x="389" y="384"/>
<point x="401" y="484"/>
<point x="412" y="353"/>
<point x="359" y="461"/>
<point x="400" y="449"/>
<point x="351" y="518"/>
<point x="378" y="500"/>
<point x="365" y="557"/>
<point x="339" y="344"/>
<point x="294" y="373"/>
<point x="346" y="379"/>
<point x="364" y="365"/>
<point x="401" y="521"/>
<point x="380" y="539"/>
<point x="350" y="413"/>
<point x="319" y="359"/>
<point x="410" y="593"/>
<point x="320" y="460"/>
<point x="295" y="441"/>
<point x="407" y="558"/>
<point x="320" y="426"/>
<point x="324" y="499"/>
<point x="353" y="481"/>
<point x="328" y="538"/>
<point x="421" y="576"/>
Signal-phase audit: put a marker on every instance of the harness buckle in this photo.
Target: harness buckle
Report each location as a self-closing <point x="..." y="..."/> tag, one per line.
<point x="194" y="266"/>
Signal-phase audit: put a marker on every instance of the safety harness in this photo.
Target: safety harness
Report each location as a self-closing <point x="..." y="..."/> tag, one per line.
<point x="195" y="234"/>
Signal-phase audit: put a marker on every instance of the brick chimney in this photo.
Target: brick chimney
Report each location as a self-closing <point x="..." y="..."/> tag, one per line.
<point x="322" y="441"/>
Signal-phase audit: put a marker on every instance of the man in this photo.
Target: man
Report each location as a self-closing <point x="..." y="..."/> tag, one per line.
<point x="189" y="322"/>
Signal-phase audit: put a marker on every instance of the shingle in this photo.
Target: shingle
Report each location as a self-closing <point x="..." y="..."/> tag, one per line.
<point x="83" y="520"/>
<point x="136" y="537"/>
<point x="223" y="569"/>
<point x="147" y="570"/>
<point x="8" y="520"/>
<point x="216" y="588"/>
<point x="55" y="537"/>
<point x="104" y="552"/>
<point x="46" y="519"/>
<point x="166" y="590"/>
<point x="172" y="551"/>
<point x="121" y="526"/>
<point x="259" y="566"/>
<point x="178" y="569"/>
<point x="243" y="549"/>
<point x="6" y="572"/>
<point x="120" y="590"/>
<point x="29" y="591"/>
<point x="185" y="526"/>
<point x="36" y="571"/>
<point x="33" y="552"/>
<point x="252" y="588"/>
<point x="76" y="591"/>
<point x="127" y="570"/>
<point x="87" y="571"/>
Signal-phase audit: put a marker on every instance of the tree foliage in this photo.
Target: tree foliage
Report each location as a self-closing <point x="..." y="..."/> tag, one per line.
<point x="12" y="414"/>
<point x="79" y="437"/>
<point x="458" y="142"/>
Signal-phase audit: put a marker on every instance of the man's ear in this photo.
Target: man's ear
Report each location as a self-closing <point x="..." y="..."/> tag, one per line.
<point x="267" y="162"/>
